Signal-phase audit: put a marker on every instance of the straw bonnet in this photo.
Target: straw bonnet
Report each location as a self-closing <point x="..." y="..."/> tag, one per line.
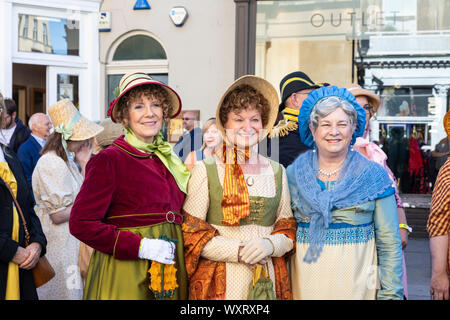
<point x="112" y="132"/>
<point x="65" y="115"/>
<point x="262" y="86"/>
<point x="134" y="79"/>
<point x="447" y="123"/>
<point x="374" y="99"/>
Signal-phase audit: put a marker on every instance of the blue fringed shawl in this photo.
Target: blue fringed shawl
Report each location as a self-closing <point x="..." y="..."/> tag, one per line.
<point x="360" y="180"/>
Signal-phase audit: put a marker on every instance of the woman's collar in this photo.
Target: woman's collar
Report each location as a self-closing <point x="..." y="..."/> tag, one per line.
<point x="122" y="144"/>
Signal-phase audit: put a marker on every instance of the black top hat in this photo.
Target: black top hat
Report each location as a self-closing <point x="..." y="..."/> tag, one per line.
<point x="295" y="82"/>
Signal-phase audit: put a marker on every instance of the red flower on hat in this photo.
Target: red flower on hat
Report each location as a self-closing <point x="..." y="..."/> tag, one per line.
<point x="111" y="105"/>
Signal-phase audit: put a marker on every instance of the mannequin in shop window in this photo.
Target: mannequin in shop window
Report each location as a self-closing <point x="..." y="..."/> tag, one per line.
<point x="397" y="150"/>
<point x="417" y="165"/>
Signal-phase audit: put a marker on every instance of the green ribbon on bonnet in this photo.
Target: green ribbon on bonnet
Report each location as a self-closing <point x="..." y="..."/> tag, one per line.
<point x="163" y="150"/>
<point x="66" y="131"/>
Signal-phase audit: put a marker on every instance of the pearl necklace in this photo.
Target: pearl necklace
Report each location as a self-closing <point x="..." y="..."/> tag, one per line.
<point x="329" y="174"/>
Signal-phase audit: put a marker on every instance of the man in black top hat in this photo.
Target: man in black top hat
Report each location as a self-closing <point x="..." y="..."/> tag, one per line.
<point x="294" y="88"/>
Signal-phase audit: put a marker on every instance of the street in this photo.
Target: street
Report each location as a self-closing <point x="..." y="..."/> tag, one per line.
<point x="418" y="265"/>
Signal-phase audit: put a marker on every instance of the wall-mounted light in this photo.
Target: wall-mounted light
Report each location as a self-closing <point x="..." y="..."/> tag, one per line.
<point x="178" y="15"/>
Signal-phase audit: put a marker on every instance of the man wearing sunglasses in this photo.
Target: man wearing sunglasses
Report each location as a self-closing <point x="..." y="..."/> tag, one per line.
<point x="191" y="139"/>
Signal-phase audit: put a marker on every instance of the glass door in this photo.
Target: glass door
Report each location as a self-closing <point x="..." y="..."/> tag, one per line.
<point x="63" y="83"/>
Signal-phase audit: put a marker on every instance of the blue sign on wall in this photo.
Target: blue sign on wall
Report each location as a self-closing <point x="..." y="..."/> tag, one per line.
<point x="141" y="5"/>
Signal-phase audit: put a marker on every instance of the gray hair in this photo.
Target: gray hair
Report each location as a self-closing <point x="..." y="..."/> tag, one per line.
<point x="35" y="118"/>
<point x="328" y="105"/>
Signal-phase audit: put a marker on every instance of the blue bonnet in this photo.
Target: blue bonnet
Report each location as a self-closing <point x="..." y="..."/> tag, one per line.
<point x="319" y="94"/>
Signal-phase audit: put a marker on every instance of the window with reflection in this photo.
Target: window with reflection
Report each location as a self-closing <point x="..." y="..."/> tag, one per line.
<point x="50" y="35"/>
<point x="139" y="47"/>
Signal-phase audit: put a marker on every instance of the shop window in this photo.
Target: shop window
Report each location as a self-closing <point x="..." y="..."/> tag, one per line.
<point x="406" y="117"/>
<point x="406" y="102"/>
<point x="50" y="35"/>
<point x="139" y="47"/>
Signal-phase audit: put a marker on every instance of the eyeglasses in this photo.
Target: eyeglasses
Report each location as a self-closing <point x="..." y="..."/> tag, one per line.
<point x="369" y="108"/>
<point x="187" y="119"/>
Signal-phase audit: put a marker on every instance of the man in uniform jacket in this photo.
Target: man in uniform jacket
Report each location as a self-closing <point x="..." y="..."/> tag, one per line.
<point x="284" y="137"/>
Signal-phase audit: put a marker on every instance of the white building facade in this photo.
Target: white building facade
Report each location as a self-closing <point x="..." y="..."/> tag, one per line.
<point x="49" y="50"/>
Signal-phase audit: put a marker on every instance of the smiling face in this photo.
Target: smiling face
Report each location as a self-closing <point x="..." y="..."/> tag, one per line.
<point x="145" y="117"/>
<point x="211" y="137"/>
<point x="333" y="134"/>
<point x="243" y="127"/>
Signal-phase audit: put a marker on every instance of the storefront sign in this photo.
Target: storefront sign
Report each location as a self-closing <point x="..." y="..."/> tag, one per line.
<point x="104" y="22"/>
<point x="178" y="15"/>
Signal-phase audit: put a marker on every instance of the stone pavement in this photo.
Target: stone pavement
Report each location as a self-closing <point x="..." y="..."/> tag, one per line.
<point x="418" y="268"/>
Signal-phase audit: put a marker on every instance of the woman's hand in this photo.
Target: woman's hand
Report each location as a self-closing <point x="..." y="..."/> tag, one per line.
<point x="20" y="256"/>
<point x="439" y="286"/>
<point x="256" y="250"/>
<point x="34" y="250"/>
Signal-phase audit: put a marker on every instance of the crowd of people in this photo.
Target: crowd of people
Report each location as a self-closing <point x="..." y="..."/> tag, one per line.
<point x="268" y="200"/>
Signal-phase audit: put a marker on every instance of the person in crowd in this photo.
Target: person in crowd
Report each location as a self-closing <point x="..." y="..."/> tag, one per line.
<point x="237" y="213"/>
<point x="348" y="230"/>
<point x="191" y="139"/>
<point x="438" y="227"/>
<point x="104" y="139"/>
<point x="56" y="180"/>
<point x="128" y="209"/>
<point x="110" y="133"/>
<point x="13" y="131"/>
<point x="30" y="151"/>
<point x="211" y="140"/>
<point x="370" y="102"/>
<point x="17" y="259"/>
<point x="294" y="88"/>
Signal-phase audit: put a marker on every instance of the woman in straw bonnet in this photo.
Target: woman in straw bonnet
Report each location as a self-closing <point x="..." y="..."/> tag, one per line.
<point x="16" y="258"/>
<point x="237" y="211"/>
<point x="56" y="179"/>
<point x="128" y="209"/>
<point x="348" y="238"/>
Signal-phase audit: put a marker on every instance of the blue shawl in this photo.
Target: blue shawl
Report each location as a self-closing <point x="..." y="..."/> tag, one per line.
<point x="360" y="180"/>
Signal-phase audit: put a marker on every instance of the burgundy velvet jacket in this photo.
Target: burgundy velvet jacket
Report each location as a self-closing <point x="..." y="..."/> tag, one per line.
<point x="122" y="188"/>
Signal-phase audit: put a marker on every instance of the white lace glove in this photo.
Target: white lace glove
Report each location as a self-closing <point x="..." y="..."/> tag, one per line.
<point x="256" y="249"/>
<point x="157" y="250"/>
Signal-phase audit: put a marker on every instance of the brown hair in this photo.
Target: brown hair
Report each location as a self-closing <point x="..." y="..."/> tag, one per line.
<point x="241" y="98"/>
<point x="206" y="126"/>
<point x="147" y="90"/>
<point x="54" y="143"/>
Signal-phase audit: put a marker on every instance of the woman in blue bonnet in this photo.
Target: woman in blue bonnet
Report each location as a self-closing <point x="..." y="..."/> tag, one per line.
<point x="348" y="238"/>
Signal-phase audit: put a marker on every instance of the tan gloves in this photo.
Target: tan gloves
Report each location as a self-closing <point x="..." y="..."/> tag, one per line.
<point x="255" y="250"/>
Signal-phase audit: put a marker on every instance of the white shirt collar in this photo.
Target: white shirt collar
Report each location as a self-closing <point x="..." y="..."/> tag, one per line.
<point x="39" y="140"/>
